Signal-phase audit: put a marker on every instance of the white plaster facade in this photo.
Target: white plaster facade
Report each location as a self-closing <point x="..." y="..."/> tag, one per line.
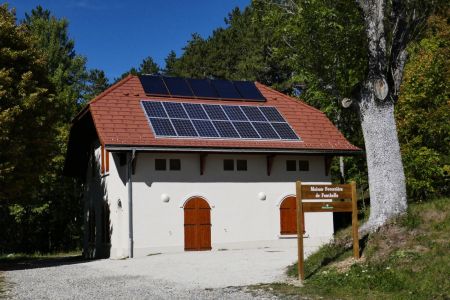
<point x="239" y="217"/>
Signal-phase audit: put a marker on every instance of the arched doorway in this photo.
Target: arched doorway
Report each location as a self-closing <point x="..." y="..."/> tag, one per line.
<point x="197" y="225"/>
<point x="288" y="216"/>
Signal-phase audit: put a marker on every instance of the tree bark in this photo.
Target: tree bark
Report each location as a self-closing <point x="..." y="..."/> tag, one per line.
<point x="386" y="176"/>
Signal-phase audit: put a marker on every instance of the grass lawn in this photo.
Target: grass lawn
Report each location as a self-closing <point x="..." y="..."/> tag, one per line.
<point x="408" y="258"/>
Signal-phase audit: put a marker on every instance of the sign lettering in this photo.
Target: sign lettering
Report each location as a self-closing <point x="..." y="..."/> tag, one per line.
<point x="333" y="191"/>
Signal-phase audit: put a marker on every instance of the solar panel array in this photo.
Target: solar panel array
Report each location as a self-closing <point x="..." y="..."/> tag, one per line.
<point x="200" y="88"/>
<point x="189" y="120"/>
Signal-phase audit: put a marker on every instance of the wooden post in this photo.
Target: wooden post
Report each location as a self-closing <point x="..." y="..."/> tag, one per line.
<point x="301" y="271"/>
<point x="355" y="221"/>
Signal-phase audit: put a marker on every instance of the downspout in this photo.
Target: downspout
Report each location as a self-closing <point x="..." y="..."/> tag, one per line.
<point x="130" y="202"/>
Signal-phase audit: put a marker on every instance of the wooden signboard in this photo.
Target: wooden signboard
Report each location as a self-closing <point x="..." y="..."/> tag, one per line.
<point x="329" y="192"/>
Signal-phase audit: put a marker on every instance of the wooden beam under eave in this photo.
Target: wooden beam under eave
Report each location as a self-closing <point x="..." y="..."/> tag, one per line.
<point x="328" y="161"/>
<point x="202" y="163"/>
<point x="269" y="160"/>
<point x="106" y="161"/>
<point x="102" y="159"/>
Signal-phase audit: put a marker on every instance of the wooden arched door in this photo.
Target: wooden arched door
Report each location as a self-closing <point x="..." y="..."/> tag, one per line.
<point x="197" y="225"/>
<point x="288" y="216"/>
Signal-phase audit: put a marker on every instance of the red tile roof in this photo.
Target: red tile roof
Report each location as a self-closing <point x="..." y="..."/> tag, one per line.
<point x="120" y="120"/>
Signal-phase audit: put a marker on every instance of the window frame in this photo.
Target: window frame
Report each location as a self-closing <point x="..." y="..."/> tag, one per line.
<point x="291" y="163"/>
<point x="241" y="168"/>
<point x="301" y="165"/>
<point x="160" y="160"/>
<point x="227" y="167"/>
<point x="176" y="167"/>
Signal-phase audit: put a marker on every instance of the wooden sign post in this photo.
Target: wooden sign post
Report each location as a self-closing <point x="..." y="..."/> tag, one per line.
<point x="325" y="192"/>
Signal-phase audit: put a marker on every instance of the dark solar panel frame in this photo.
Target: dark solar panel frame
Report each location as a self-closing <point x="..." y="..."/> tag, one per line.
<point x="175" y="110"/>
<point x="272" y="114"/>
<point x="154" y="109"/>
<point x="154" y="85"/>
<point x="215" y="112"/>
<point x="162" y="127"/>
<point x="184" y="128"/>
<point x="253" y="113"/>
<point x="195" y="120"/>
<point x="266" y="130"/>
<point x="195" y="111"/>
<point x="217" y="89"/>
<point x="205" y="128"/>
<point x="178" y="86"/>
<point x="248" y="90"/>
<point x="234" y="112"/>
<point x="226" y="89"/>
<point x="246" y="130"/>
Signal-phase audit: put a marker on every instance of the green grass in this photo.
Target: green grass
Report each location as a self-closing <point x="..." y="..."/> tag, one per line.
<point x="409" y="258"/>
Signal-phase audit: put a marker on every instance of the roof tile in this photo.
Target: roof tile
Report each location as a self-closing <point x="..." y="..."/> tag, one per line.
<point x="120" y="120"/>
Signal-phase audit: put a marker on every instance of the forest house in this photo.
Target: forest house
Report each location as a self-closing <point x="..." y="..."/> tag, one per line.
<point x="173" y="164"/>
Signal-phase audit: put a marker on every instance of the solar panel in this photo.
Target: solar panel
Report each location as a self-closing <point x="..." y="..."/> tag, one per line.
<point x="248" y="90"/>
<point x="234" y="113"/>
<point x="184" y="127"/>
<point x="215" y="112"/>
<point x="153" y="85"/>
<point x="226" y="89"/>
<point x="175" y="110"/>
<point x="285" y="131"/>
<point x="195" y="111"/>
<point x="272" y="114"/>
<point x="178" y="86"/>
<point x="253" y="113"/>
<point x="246" y="130"/>
<point x="192" y="120"/>
<point x="202" y="88"/>
<point x="154" y="109"/>
<point x="205" y="128"/>
<point x="226" y="129"/>
<point x="162" y="127"/>
<point x="265" y="130"/>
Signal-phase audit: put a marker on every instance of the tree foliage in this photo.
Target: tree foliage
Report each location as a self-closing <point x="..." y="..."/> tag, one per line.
<point x="315" y="50"/>
<point x="27" y="112"/>
<point x="423" y="113"/>
<point x="147" y="66"/>
<point x="43" y="209"/>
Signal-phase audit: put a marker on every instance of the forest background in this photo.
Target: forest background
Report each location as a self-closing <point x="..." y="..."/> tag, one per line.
<point x="44" y="83"/>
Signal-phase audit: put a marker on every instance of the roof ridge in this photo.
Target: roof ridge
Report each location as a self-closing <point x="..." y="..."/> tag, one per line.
<point x="298" y="101"/>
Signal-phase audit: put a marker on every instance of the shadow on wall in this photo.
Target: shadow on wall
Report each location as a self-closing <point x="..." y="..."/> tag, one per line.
<point x="98" y="226"/>
<point x="257" y="171"/>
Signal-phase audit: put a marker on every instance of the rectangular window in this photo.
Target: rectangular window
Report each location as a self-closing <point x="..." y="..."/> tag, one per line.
<point x="241" y="165"/>
<point x="175" y="164"/>
<point x="160" y="164"/>
<point x="228" y="164"/>
<point x="291" y="165"/>
<point x="303" y="165"/>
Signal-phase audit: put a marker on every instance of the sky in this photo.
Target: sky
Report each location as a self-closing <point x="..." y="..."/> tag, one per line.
<point x="116" y="35"/>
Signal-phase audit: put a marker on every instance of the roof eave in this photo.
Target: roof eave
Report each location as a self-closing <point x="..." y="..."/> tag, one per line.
<point x="340" y="152"/>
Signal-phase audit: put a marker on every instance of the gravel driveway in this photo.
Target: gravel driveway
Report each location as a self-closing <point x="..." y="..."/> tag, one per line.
<point x="185" y="275"/>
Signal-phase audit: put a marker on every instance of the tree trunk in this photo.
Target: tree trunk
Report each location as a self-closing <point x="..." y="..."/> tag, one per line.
<point x="386" y="176"/>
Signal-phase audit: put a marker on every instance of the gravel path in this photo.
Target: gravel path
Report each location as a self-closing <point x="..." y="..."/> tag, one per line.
<point x="186" y="275"/>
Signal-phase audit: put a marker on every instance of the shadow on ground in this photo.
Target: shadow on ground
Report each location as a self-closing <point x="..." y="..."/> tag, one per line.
<point x="24" y="264"/>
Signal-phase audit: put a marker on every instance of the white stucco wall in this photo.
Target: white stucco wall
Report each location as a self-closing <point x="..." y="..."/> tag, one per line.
<point x="238" y="217"/>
